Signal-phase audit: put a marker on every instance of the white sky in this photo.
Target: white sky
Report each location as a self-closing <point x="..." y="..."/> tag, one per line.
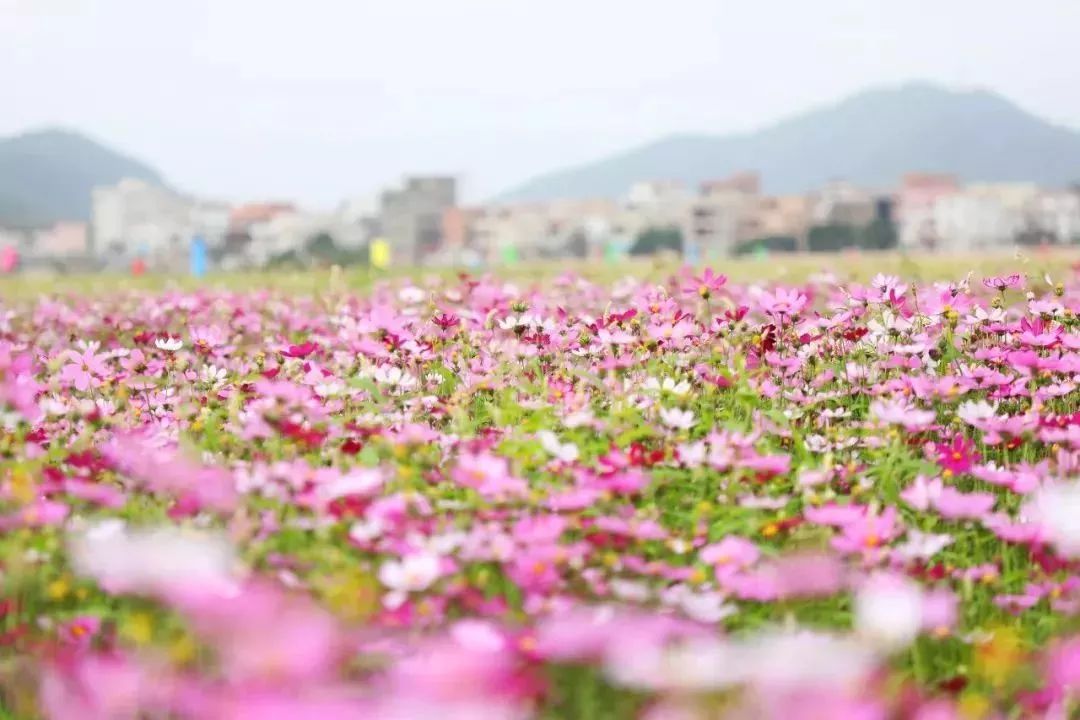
<point x="319" y="99"/>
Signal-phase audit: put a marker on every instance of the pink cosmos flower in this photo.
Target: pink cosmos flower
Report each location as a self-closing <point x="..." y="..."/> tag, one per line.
<point x="40" y="513"/>
<point x="782" y="302"/>
<point x="17" y="385"/>
<point x="834" y="514"/>
<point x="706" y="284"/>
<point x="304" y="646"/>
<point x="805" y="575"/>
<point x="412" y="573"/>
<point x="80" y="631"/>
<point x="84" y="370"/>
<point x="940" y="608"/>
<point x="1002" y="282"/>
<point x="897" y="411"/>
<point x="730" y="555"/>
<point x="101" y="686"/>
<point x="921" y="493"/>
<point x="1063" y="666"/>
<point x="583" y="633"/>
<point x="489" y="475"/>
<point x="953" y="504"/>
<point x="868" y="532"/>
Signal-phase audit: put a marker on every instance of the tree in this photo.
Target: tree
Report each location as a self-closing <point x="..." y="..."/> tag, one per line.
<point x="322" y="247"/>
<point x="829" y="238"/>
<point x="771" y="243"/>
<point x="652" y="240"/>
<point x="880" y="235"/>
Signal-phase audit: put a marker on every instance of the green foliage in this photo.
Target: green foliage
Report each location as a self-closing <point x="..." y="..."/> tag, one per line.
<point x="657" y="239"/>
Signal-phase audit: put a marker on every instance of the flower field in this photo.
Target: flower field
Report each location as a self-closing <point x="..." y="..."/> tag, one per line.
<point x="470" y="499"/>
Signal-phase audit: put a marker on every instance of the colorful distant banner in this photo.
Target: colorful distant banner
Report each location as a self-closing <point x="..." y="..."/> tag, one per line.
<point x="510" y="255"/>
<point x="690" y="252"/>
<point x="613" y="251"/>
<point x="379" y="254"/>
<point x="198" y="259"/>
<point x="9" y="259"/>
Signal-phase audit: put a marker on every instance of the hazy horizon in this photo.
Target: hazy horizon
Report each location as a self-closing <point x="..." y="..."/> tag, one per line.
<point x="240" y="101"/>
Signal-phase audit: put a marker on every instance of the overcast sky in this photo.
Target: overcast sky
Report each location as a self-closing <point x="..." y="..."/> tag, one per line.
<point x="319" y="99"/>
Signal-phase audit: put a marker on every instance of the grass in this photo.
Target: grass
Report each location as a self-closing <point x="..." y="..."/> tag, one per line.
<point x="860" y="267"/>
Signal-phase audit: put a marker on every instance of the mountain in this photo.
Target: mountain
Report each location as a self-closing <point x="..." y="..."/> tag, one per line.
<point x="871" y="138"/>
<point x="47" y="175"/>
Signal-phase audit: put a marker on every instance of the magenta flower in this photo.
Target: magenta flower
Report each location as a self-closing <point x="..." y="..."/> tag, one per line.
<point x="956" y="456"/>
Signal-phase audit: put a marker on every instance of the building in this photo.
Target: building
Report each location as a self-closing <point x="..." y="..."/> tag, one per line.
<point x="244" y="224"/>
<point x="520" y="231"/>
<point x="63" y="241"/>
<point x="723" y="216"/>
<point x="285" y="234"/>
<point x="1056" y="215"/>
<point x="18" y="238"/>
<point x="840" y="202"/>
<point x="210" y="220"/>
<point x="785" y="216"/>
<point x="973" y="219"/>
<point x="356" y="222"/>
<point x="411" y="217"/>
<point x="460" y="241"/>
<point x="986" y="215"/>
<point x="134" y="217"/>
<point x="652" y="205"/>
<point x="138" y="219"/>
<point x="916" y="201"/>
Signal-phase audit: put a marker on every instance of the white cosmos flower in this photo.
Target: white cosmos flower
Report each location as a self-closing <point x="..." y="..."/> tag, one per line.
<point x="53" y="405"/>
<point x="770" y="660"/>
<point x="888" y="611"/>
<point x="394" y="376"/>
<point x="668" y="385"/>
<point x="412" y="573"/>
<point x="578" y="418"/>
<point x="1057" y="508"/>
<point x="329" y="389"/>
<point x="630" y="590"/>
<point x="153" y="561"/>
<point x="359" y="481"/>
<point x="213" y="375"/>
<point x="976" y="412"/>
<point x="691" y="454"/>
<point x="705" y="607"/>
<point x="677" y="419"/>
<point x="364" y="531"/>
<point x="923" y="546"/>
<point x="169" y="344"/>
<point x="511" y="321"/>
<point x="411" y="295"/>
<point x="566" y="452"/>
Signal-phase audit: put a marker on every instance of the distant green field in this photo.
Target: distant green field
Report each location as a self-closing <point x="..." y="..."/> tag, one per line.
<point x="785" y="268"/>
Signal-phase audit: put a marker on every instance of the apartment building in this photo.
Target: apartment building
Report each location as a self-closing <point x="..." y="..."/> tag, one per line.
<point x="723" y="215"/>
<point x="411" y="217"/>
